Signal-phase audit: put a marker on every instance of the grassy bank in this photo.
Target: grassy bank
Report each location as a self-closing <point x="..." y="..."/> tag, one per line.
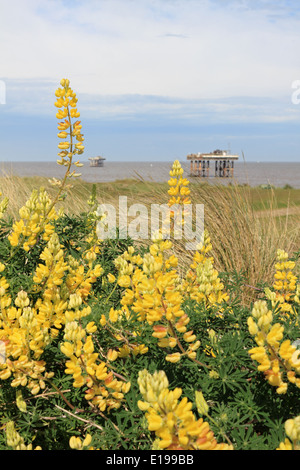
<point x="17" y="189"/>
<point x="247" y="224"/>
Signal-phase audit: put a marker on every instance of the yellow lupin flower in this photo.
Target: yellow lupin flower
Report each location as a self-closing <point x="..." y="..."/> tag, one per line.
<point x="172" y="421"/>
<point x="77" y="443"/>
<point x="175" y="357"/>
<point x="153" y="293"/>
<point x="37" y="219"/>
<point x="103" y="390"/>
<point x="178" y="186"/>
<point x="277" y="358"/>
<point x="15" y="440"/>
<point x="285" y="285"/>
<point x="292" y="430"/>
<point x="111" y="278"/>
<point x="202" y="281"/>
<point x="67" y="100"/>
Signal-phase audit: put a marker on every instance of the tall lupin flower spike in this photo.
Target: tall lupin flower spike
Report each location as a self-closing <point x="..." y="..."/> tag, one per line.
<point x="69" y="132"/>
<point x="37" y="214"/>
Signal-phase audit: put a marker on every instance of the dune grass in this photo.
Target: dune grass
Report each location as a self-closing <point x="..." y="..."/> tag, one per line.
<point x="246" y="239"/>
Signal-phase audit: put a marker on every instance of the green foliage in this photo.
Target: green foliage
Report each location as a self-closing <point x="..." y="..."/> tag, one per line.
<point x="242" y="405"/>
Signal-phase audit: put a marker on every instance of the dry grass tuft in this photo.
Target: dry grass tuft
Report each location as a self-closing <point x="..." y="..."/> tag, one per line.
<point x="243" y="239"/>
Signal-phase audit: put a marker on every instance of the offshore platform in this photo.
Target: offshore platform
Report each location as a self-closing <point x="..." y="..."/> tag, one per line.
<point x="221" y="160"/>
<point x="97" y="161"/>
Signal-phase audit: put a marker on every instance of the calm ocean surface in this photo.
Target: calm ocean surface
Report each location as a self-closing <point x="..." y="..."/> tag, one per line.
<point x="252" y="173"/>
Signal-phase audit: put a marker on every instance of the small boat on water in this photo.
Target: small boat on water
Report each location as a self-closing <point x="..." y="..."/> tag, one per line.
<point x="97" y="161"/>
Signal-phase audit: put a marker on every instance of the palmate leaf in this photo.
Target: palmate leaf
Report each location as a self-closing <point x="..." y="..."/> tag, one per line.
<point x="245" y="438"/>
<point x="232" y="379"/>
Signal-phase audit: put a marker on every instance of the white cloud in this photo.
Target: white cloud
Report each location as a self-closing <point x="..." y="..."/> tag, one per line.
<point x="36" y="98"/>
<point x="186" y="48"/>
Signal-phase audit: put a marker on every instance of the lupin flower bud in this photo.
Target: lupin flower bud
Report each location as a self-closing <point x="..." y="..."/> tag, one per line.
<point x="201" y="403"/>
<point x="14" y="440"/>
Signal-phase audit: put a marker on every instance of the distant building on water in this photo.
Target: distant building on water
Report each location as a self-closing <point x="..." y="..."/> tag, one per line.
<point x="97" y="161"/>
<point x="223" y="163"/>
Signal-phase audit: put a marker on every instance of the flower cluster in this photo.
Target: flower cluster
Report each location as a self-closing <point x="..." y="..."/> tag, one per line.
<point x="128" y="339"/>
<point x="202" y="282"/>
<point x="3" y="206"/>
<point x="103" y="389"/>
<point x="178" y="203"/>
<point x="153" y="290"/>
<point x="67" y="102"/>
<point x="81" y="444"/>
<point x="172" y="420"/>
<point x="37" y="218"/>
<point x="292" y="430"/>
<point x="15" y="440"/>
<point x="179" y="192"/>
<point x="82" y="275"/>
<point x="28" y="326"/>
<point x="152" y="293"/>
<point x="25" y="337"/>
<point x="60" y="287"/>
<point x="278" y="358"/>
<point x="286" y="291"/>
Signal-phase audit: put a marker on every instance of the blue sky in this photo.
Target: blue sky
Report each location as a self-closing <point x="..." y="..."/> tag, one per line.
<point x="155" y="79"/>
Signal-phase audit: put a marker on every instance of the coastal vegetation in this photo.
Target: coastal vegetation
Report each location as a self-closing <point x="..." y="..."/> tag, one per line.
<point x="122" y="344"/>
<point x="253" y="220"/>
